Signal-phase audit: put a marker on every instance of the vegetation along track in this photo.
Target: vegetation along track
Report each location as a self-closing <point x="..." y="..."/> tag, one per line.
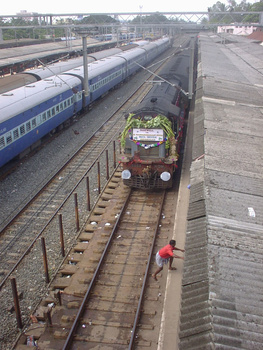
<point x="103" y="296"/>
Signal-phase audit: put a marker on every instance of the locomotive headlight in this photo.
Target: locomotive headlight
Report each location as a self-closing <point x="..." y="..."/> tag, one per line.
<point x="126" y="174"/>
<point x="165" y="176"/>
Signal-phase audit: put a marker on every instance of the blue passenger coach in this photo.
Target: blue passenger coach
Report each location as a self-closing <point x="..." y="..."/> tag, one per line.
<point x="28" y="113"/>
<point x="32" y="111"/>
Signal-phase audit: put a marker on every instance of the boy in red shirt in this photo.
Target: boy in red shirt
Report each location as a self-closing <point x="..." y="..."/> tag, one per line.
<point x="164" y="255"/>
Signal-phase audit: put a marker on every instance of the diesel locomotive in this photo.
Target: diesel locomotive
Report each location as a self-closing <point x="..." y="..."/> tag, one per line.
<point x="152" y="137"/>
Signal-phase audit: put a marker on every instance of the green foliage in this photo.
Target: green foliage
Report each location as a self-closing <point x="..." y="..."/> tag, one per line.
<point x="98" y="19"/>
<point x="158" y="122"/>
<point x="232" y="7"/>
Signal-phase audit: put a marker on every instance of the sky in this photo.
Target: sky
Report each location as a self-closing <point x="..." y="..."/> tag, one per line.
<point x="67" y="7"/>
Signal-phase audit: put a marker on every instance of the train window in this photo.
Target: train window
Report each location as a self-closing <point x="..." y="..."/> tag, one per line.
<point x="48" y="114"/>
<point x="16" y="134"/>
<point x="34" y="123"/>
<point x="2" y="142"/>
<point x="61" y="106"/>
<point x="71" y="100"/>
<point x="39" y="119"/>
<point x="57" y="108"/>
<point x="53" y="112"/>
<point x="28" y="126"/>
<point x="65" y="104"/>
<point x="22" y="129"/>
<point x="8" y="138"/>
<point x="44" y="117"/>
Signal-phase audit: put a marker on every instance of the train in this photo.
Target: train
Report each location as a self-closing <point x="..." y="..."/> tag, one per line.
<point x="121" y="36"/>
<point x="11" y="82"/>
<point x="30" y="112"/>
<point x="152" y="138"/>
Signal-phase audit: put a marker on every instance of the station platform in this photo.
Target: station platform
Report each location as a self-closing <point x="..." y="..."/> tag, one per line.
<point x="214" y="300"/>
<point x="22" y="55"/>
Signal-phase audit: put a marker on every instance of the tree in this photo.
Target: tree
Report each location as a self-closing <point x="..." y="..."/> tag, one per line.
<point x="98" y="19"/>
<point x="232" y="7"/>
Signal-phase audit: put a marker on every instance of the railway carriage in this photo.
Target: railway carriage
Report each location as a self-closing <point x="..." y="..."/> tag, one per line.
<point x="11" y="82"/>
<point x="131" y="58"/>
<point x="155" y="48"/>
<point x="151" y="140"/>
<point x="30" y="112"/>
<point x="104" y="75"/>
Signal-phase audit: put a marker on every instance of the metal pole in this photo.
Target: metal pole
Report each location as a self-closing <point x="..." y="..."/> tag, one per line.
<point x="85" y="64"/>
<point x="16" y="302"/>
<point x="114" y="155"/>
<point x="47" y="316"/>
<point x="107" y="165"/>
<point x="76" y="210"/>
<point x="191" y="66"/>
<point x="61" y="235"/>
<point x="98" y="177"/>
<point x="88" y="194"/>
<point x="44" y="251"/>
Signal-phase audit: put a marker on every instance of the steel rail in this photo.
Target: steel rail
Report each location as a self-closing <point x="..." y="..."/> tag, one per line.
<point x="76" y="322"/>
<point x="95" y="275"/>
<point x="138" y="311"/>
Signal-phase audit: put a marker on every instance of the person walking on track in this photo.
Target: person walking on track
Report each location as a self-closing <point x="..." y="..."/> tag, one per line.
<point x="165" y="255"/>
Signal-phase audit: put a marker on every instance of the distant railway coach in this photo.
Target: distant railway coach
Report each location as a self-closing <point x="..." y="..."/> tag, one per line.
<point x="151" y="140"/>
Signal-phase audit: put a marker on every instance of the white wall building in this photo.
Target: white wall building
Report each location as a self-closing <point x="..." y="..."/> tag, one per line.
<point x="236" y="30"/>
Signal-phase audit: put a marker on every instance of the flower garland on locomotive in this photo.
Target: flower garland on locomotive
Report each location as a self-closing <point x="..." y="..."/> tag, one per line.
<point x="150" y="146"/>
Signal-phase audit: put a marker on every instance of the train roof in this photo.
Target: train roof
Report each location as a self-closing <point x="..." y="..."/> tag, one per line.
<point x="96" y="68"/>
<point x="15" y="81"/>
<point x="131" y="53"/>
<point x="155" y="43"/>
<point x="158" y="100"/>
<point x="140" y="42"/>
<point x="19" y="100"/>
<point x="63" y="66"/>
<point x="104" y="53"/>
<point x="55" y="68"/>
<point x="159" y="106"/>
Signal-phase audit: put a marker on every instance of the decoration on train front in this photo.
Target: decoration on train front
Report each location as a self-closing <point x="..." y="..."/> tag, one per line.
<point x="148" y="146"/>
<point x="159" y="121"/>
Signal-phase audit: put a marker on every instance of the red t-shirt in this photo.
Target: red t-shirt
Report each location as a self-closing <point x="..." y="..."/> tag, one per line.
<point x="166" y="251"/>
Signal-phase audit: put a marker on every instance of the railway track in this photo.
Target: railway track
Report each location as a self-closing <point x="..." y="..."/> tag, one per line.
<point x="103" y="296"/>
